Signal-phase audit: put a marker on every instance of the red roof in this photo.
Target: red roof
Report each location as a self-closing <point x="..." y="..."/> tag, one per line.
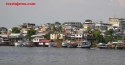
<point x="45" y="41"/>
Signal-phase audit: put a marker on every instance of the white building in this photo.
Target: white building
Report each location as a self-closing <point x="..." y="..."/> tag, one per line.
<point x="88" y="24"/>
<point x="102" y="26"/>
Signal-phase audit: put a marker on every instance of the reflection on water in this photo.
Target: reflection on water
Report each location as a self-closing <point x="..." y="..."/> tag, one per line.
<point x="60" y="56"/>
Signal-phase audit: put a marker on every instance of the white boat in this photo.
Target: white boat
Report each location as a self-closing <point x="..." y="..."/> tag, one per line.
<point x="85" y="44"/>
<point x="64" y="44"/>
<point x="19" y="43"/>
<point x="102" y="46"/>
<point x="28" y="44"/>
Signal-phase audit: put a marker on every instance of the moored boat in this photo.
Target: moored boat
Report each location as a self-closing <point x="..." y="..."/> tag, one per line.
<point x="102" y="46"/>
<point x="85" y="44"/>
<point x="64" y="44"/>
<point x="18" y="44"/>
<point x="72" y="45"/>
<point x="28" y="44"/>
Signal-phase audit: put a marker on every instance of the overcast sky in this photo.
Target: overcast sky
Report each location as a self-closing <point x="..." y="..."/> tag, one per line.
<point x="60" y="10"/>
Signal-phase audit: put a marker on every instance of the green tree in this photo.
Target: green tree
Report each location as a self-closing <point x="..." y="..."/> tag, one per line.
<point x="47" y="36"/>
<point x="108" y="38"/>
<point x="98" y="37"/>
<point x="15" y="30"/>
<point x="30" y="33"/>
<point x="109" y="32"/>
<point x="109" y="35"/>
<point x="116" y="38"/>
<point x="89" y="30"/>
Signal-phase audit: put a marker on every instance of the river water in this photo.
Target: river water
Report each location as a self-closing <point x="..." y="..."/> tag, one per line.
<point x="60" y="56"/>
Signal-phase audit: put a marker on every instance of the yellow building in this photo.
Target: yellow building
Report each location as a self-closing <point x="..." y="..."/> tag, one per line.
<point x="115" y="22"/>
<point x="56" y="36"/>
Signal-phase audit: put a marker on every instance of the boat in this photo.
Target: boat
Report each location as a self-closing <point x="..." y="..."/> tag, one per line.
<point x="79" y="45"/>
<point x="52" y="44"/>
<point x="18" y="44"/>
<point x="102" y="46"/>
<point x="72" y="45"/>
<point x="85" y="44"/>
<point x="64" y="44"/>
<point x="4" y="42"/>
<point x="28" y="44"/>
<point x="119" y="46"/>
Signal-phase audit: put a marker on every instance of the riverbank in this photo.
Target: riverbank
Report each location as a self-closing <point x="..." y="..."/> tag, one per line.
<point x="91" y="48"/>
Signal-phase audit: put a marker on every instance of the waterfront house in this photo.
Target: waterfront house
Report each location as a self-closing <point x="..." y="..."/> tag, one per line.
<point x="4" y="39"/>
<point x="77" y="38"/>
<point x="44" y="42"/>
<point x="37" y="41"/>
<point x="15" y="37"/>
<point x="37" y="38"/>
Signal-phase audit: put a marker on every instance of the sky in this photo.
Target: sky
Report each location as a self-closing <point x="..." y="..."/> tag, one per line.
<point x="60" y="10"/>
